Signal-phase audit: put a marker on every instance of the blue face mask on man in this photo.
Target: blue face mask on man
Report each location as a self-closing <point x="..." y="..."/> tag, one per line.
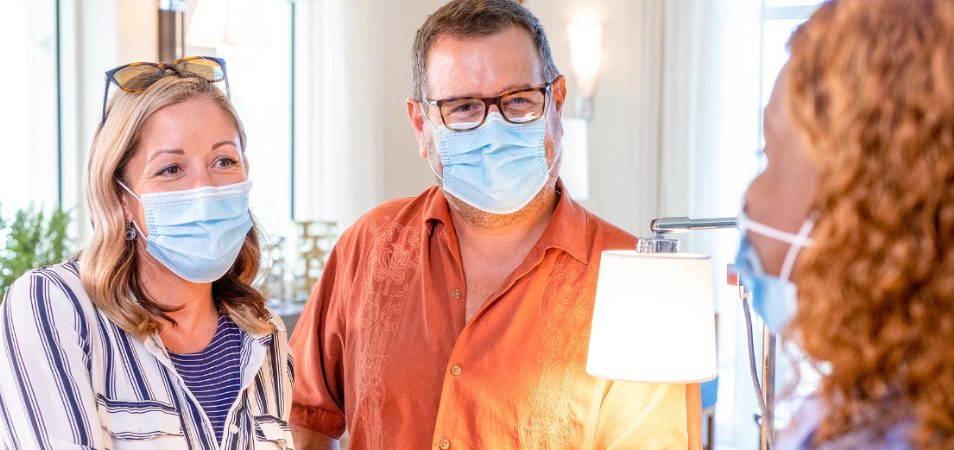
<point x="774" y="298"/>
<point x="196" y="233"/>
<point x="498" y="167"/>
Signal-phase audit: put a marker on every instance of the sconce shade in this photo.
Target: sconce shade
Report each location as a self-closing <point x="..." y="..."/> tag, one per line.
<point x="653" y="320"/>
<point x="586" y="51"/>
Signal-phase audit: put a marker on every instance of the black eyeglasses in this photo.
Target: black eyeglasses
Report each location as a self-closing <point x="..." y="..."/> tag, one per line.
<point x="138" y="76"/>
<point x="517" y="107"/>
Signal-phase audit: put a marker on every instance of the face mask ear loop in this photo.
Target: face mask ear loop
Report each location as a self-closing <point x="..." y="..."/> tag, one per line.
<point x="144" y="235"/>
<point x="549" y="104"/>
<point x="800" y="241"/>
<point x="546" y="115"/>
<point x="428" y="120"/>
<point x="431" y="165"/>
<point x="556" y="159"/>
<point x="123" y="185"/>
<point x="424" y="115"/>
<point x="745" y="224"/>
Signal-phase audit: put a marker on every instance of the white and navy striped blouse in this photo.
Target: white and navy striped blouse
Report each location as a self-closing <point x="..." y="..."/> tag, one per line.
<point x="72" y="379"/>
<point x="213" y="374"/>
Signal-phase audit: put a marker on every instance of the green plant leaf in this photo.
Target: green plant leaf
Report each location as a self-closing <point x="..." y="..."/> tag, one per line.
<point x="32" y="239"/>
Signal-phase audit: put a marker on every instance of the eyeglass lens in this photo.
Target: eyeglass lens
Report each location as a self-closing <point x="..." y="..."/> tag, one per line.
<point x="137" y="78"/>
<point x="517" y="107"/>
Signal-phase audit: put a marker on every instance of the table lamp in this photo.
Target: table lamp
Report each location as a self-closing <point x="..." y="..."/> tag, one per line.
<point x="653" y="318"/>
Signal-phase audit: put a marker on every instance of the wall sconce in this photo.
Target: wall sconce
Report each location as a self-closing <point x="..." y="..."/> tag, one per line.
<point x="230" y="22"/>
<point x="586" y="51"/>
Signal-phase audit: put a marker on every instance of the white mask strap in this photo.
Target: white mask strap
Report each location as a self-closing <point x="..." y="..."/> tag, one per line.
<point x="801" y="241"/>
<point x="426" y="118"/>
<point x="136" y="225"/>
<point x="556" y="159"/>
<point x="129" y="190"/>
<point x="431" y="165"/>
<point x="140" y="201"/>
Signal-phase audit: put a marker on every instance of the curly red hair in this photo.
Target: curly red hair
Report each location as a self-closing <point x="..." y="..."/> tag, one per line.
<point x="872" y="92"/>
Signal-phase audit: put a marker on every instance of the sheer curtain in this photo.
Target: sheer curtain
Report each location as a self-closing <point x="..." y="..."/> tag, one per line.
<point x="338" y="166"/>
<point x="724" y="160"/>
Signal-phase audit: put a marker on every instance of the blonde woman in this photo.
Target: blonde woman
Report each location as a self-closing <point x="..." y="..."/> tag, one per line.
<point x="851" y="227"/>
<point x="153" y="336"/>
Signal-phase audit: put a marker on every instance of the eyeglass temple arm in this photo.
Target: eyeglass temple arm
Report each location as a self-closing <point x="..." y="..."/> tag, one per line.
<point x="102" y="119"/>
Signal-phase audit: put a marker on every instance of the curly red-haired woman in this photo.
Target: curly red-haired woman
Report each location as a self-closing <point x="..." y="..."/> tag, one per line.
<point x="852" y="222"/>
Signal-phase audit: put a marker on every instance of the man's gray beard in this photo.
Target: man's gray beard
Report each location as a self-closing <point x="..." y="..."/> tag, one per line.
<point x="489" y="221"/>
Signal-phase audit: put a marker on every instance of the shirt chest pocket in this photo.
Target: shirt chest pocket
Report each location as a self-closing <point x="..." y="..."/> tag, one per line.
<point x="143" y="424"/>
<point x="272" y="433"/>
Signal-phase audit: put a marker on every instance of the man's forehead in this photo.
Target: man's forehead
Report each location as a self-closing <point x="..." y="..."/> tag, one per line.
<point x="482" y="66"/>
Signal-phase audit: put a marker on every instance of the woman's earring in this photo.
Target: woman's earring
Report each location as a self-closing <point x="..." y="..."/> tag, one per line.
<point x="130" y="232"/>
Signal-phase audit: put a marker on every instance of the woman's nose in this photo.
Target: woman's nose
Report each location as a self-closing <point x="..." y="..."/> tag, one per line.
<point x="203" y="178"/>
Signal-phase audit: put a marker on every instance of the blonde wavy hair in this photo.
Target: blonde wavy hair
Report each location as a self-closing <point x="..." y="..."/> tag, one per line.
<point x="109" y="264"/>
<point x="872" y="92"/>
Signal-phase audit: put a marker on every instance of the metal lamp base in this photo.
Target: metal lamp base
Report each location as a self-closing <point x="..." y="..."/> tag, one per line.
<point x="657" y="244"/>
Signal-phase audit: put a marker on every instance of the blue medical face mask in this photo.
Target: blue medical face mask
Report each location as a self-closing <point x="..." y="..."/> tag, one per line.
<point x="498" y="167"/>
<point x="196" y="233"/>
<point x="774" y="298"/>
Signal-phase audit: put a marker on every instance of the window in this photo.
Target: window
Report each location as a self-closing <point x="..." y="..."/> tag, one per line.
<point x="30" y="116"/>
<point x="47" y="130"/>
<point x="751" y="45"/>
<point x="259" y="48"/>
<point x="779" y="19"/>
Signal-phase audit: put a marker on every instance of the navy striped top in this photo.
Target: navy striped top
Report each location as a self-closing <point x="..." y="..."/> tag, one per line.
<point x="213" y="375"/>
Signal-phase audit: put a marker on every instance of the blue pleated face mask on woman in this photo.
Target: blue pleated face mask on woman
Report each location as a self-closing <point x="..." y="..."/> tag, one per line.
<point x="774" y="298"/>
<point x="196" y="233"/>
<point x="498" y="167"/>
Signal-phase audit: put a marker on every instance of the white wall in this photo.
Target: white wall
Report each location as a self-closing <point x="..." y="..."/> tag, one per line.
<point x="405" y="172"/>
<point x="622" y="190"/>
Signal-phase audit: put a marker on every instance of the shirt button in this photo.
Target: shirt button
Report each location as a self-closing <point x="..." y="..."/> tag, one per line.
<point x="455" y="370"/>
<point x="455" y="294"/>
<point x="233" y="429"/>
<point x="444" y="444"/>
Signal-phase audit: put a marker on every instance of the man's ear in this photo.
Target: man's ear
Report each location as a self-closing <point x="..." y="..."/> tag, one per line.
<point x="416" y="117"/>
<point x="559" y="93"/>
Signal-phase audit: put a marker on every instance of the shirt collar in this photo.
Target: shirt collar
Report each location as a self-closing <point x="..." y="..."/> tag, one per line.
<point x="567" y="229"/>
<point x="260" y="341"/>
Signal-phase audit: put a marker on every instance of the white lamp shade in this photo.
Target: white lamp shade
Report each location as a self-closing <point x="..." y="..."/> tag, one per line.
<point x="653" y="320"/>
<point x="574" y="170"/>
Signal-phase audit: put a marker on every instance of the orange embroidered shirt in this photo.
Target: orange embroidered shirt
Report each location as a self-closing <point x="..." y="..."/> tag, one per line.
<point x="383" y="348"/>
